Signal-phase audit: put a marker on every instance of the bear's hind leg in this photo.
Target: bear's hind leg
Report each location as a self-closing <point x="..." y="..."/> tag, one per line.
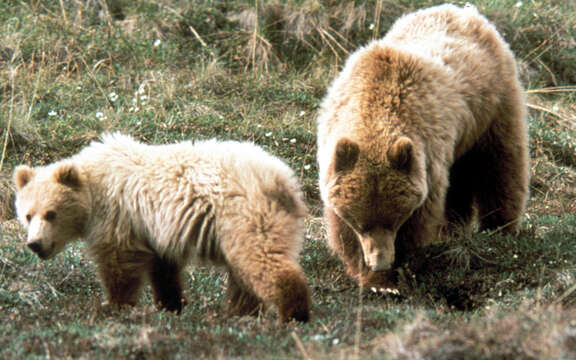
<point x="276" y="280"/>
<point x="166" y="280"/>
<point x="504" y="185"/>
<point x="240" y="301"/>
<point x="293" y="300"/>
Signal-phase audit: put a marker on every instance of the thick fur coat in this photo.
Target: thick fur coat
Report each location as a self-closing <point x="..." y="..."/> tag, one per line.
<point x="145" y="211"/>
<point x="422" y="133"/>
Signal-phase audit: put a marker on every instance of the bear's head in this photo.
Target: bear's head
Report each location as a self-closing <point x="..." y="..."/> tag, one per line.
<point x="375" y="195"/>
<point x="53" y="204"/>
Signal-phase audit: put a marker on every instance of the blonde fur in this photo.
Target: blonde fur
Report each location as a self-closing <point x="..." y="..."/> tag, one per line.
<point x="153" y="208"/>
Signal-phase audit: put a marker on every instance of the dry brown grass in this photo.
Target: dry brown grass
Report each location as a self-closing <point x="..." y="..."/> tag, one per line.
<point x="530" y="334"/>
<point x="6" y="197"/>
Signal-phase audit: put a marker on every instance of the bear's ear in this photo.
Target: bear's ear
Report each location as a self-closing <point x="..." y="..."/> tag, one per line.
<point x="68" y="174"/>
<point x="346" y="155"/>
<point x="401" y="154"/>
<point x="22" y="176"/>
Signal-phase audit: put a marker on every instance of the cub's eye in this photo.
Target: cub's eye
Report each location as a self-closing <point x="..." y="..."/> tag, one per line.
<point x="50" y="215"/>
<point x="28" y="218"/>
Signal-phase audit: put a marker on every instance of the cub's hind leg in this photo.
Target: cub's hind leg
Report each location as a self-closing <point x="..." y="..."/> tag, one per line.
<point x="239" y="300"/>
<point x="166" y="279"/>
<point x="272" y="279"/>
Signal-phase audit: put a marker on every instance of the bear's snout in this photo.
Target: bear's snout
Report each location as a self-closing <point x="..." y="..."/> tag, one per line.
<point x="36" y="247"/>
<point x="378" y="262"/>
<point x="378" y="248"/>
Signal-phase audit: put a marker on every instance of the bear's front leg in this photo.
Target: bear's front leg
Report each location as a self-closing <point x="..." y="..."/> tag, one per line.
<point x="424" y="228"/>
<point x="344" y="243"/>
<point x="122" y="287"/>
<point x="166" y="279"/>
<point x="121" y="272"/>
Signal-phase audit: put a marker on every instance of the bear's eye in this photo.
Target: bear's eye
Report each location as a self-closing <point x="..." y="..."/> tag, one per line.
<point x="368" y="227"/>
<point x="50" y="215"/>
<point x="28" y="218"/>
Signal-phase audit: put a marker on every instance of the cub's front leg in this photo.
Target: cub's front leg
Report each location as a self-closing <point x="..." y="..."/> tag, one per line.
<point x="122" y="274"/>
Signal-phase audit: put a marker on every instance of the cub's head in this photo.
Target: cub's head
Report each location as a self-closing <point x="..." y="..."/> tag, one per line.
<point x="52" y="203"/>
<point x="375" y="197"/>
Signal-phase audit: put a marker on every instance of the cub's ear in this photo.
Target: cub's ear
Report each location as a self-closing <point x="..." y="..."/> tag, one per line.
<point x="22" y="176"/>
<point x="401" y="154"/>
<point x="346" y="155"/>
<point x="69" y="175"/>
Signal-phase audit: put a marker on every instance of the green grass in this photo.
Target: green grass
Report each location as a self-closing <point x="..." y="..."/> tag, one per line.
<point x="256" y="71"/>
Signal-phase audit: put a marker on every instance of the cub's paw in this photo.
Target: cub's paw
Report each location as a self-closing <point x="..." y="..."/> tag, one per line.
<point x="173" y="305"/>
<point x="112" y="307"/>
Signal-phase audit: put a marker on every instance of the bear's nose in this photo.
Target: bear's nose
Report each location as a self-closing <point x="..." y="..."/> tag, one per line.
<point x="35" y="246"/>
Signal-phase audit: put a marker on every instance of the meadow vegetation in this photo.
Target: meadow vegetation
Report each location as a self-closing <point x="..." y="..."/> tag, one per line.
<point x="254" y="70"/>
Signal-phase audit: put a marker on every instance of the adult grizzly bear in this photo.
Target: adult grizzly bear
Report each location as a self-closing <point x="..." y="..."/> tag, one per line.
<point x="146" y="211"/>
<point x="423" y="131"/>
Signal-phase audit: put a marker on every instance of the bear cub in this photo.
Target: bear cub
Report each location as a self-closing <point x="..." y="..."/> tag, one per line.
<point x="146" y="211"/>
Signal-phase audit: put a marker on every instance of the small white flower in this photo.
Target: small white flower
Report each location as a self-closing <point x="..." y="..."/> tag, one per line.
<point x="307" y="167"/>
<point x="141" y="89"/>
<point x="292" y="141"/>
<point x="143" y="97"/>
<point x="515" y="256"/>
<point x="113" y="96"/>
<point x="371" y="27"/>
<point x="302" y="113"/>
<point x="157" y="42"/>
<point x="268" y="134"/>
<point x="100" y="115"/>
<point x="52" y="113"/>
<point x="78" y="87"/>
<point x="336" y="341"/>
<point x="518" y="4"/>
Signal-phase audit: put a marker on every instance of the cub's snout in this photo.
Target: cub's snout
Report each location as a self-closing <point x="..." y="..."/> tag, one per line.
<point x="38" y="249"/>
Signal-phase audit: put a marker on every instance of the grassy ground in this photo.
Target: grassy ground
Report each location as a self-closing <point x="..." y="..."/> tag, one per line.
<point x="255" y="70"/>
